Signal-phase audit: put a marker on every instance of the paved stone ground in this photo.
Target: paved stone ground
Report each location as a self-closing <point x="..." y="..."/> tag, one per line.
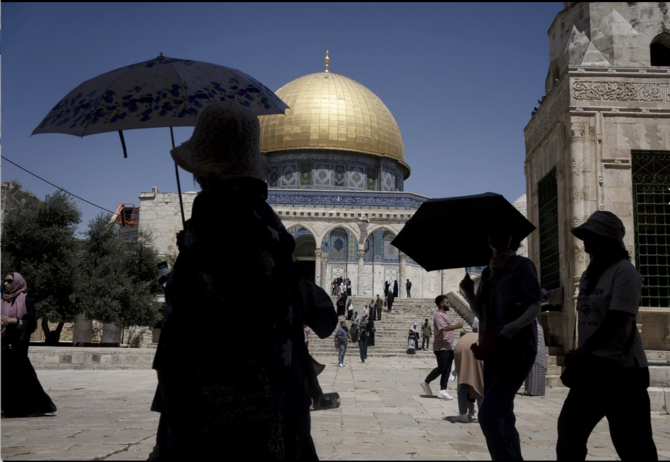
<point x="105" y="415"/>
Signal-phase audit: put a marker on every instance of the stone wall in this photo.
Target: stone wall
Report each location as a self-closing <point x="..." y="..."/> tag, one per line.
<point x="598" y="109"/>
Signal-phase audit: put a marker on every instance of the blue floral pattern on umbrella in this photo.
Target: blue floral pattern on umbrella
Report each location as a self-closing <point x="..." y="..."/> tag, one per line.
<point x="161" y="92"/>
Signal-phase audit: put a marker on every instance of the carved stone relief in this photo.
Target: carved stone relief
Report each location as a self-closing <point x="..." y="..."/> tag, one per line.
<point x="577" y="195"/>
<point x="576" y="166"/>
<point x="620" y="91"/>
<point x="580" y="256"/>
<point x="577" y="130"/>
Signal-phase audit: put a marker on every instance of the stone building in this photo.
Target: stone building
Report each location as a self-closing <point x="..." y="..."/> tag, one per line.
<point x="600" y="140"/>
<point x="337" y="182"/>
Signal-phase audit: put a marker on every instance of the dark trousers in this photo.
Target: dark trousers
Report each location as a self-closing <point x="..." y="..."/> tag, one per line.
<point x="496" y="414"/>
<point x="425" y="341"/>
<point x="409" y="293"/>
<point x="625" y="403"/>
<point x="444" y="360"/>
<point x="363" y="347"/>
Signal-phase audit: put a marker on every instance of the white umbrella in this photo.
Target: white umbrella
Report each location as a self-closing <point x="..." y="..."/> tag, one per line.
<point x="161" y="92"/>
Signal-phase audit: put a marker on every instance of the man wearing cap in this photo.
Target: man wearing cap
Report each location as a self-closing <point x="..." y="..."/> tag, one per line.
<point x="608" y="374"/>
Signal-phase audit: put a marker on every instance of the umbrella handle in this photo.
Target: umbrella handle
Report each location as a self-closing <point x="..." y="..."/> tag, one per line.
<point x="176" y="171"/>
<point x="123" y="143"/>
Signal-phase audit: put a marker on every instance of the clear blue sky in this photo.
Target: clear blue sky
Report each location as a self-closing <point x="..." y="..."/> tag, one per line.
<point x="461" y="80"/>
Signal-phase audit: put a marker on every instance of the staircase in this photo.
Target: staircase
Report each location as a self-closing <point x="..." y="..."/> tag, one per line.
<point x="393" y="329"/>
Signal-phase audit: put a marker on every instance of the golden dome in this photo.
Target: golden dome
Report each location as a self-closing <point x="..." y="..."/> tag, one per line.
<point x="331" y="111"/>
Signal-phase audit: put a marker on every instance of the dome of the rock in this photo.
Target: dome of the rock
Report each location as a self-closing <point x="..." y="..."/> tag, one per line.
<point x="332" y="112"/>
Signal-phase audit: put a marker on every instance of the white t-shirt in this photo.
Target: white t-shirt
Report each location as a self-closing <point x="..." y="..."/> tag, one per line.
<point x="618" y="288"/>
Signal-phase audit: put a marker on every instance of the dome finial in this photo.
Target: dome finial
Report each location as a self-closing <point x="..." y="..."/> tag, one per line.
<point x="327" y="60"/>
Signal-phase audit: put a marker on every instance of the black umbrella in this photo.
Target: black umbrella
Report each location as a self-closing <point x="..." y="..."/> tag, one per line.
<point x="452" y="232"/>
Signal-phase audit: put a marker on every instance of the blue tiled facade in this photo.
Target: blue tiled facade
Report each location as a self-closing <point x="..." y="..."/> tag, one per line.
<point x="345" y="199"/>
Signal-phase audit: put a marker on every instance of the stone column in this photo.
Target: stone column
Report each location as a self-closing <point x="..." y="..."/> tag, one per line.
<point x="361" y="270"/>
<point x="325" y="283"/>
<point x="318" y="276"/>
<point x="402" y="292"/>
<point x="577" y="217"/>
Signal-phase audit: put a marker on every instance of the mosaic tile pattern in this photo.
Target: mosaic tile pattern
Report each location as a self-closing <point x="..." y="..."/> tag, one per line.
<point x="323" y="175"/>
<point x="340" y="175"/>
<point x="305" y="174"/>
<point x="289" y="175"/>
<point x="371" y="179"/>
<point x="388" y="181"/>
<point x="357" y="177"/>
<point x="273" y="179"/>
<point x="345" y="199"/>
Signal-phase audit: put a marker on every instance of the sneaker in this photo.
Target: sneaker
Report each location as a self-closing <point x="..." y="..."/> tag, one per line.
<point x="340" y="365"/>
<point x="463" y="418"/>
<point x="471" y="416"/>
<point x="426" y="388"/>
<point x="343" y="364"/>
<point x="444" y="395"/>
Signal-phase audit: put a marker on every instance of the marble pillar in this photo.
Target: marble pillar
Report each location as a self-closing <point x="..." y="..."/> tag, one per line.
<point x="361" y="270"/>
<point x="577" y="216"/>
<point x="402" y="292"/>
<point x="325" y="283"/>
<point x="318" y="275"/>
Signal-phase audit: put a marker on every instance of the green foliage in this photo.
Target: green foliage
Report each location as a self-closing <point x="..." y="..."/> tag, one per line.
<point x="38" y="241"/>
<point x="117" y="280"/>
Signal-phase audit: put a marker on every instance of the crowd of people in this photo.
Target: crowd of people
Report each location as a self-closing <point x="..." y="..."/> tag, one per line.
<point x="257" y="406"/>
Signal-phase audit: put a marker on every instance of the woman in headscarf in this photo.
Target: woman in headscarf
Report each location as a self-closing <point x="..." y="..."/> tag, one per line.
<point x="350" y="308"/>
<point x="608" y="374"/>
<point x="22" y="394"/>
<point x="370" y="327"/>
<point x="363" y="337"/>
<point x="254" y="404"/>
<point x="535" y="383"/>
<point x="341" y="304"/>
<point x="355" y="321"/>
<point x="395" y="288"/>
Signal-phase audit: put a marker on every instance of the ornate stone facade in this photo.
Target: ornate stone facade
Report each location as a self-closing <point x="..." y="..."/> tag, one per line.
<point x="604" y="100"/>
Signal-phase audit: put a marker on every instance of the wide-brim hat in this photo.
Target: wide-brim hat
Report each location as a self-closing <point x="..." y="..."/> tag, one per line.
<point x="224" y="144"/>
<point x="602" y="223"/>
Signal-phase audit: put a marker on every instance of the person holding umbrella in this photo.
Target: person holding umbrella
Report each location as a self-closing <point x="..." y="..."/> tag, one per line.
<point x="507" y="303"/>
<point x="256" y="403"/>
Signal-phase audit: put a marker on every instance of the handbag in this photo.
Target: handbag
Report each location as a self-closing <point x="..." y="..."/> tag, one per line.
<point x="337" y="343"/>
<point x="384" y="302"/>
<point x="595" y="368"/>
<point x="493" y="347"/>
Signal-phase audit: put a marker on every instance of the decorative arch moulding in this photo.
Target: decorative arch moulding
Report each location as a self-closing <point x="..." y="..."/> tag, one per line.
<point x="642" y="72"/>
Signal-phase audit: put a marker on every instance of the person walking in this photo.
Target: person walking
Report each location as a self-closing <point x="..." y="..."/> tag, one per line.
<point x="371" y="332"/>
<point x="443" y="347"/>
<point x="379" y="307"/>
<point x="507" y="302"/>
<point x="390" y="300"/>
<point x="608" y="374"/>
<point x="363" y="339"/>
<point x="348" y="287"/>
<point x="387" y="284"/>
<point x="535" y="382"/>
<point x="426" y="333"/>
<point x="470" y="373"/>
<point x="342" y="304"/>
<point x="355" y="322"/>
<point x="413" y="339"/>
<point x="258" y="406"/>
<point x="395" y="288"/>
<point x="408" y="286"/>
<point x="343" y="338"/>
<point x="333" y="287"/>
<point x="350" y="308"/>
<point x="22" y="393"/>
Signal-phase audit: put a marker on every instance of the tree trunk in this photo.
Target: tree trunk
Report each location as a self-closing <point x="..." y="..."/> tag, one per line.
<point x="51" y="338"/>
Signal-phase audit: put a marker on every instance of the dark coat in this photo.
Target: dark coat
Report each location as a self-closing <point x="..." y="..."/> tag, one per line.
<point x="258" y="404"/>
<point x="395" y="288"/>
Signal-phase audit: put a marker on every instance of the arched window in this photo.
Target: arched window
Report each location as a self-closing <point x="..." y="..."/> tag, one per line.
<point x="390" y="252"/>
<point x="339" y="245"/>
<point x="660" y="50"/>
<point x="369" y="248"/>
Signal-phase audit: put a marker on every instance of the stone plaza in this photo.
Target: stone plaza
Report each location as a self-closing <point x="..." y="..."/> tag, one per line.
<point x="104" y="415"/>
